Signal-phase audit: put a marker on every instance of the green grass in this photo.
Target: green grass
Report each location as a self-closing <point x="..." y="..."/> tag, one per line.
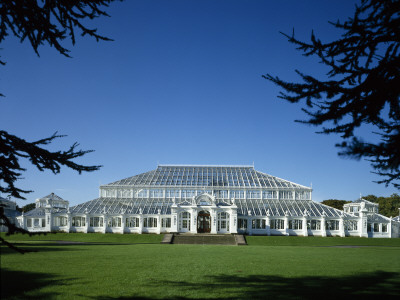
<point x="121" y="267"/>
<point x="318" y="241"/>
<point x="89" y="238"/>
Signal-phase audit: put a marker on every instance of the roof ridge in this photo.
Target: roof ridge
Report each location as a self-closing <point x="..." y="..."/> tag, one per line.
<point x="189" y="165"/>
<point x="244" y="176"/>
<point x="130" y="177"/>
<point x="52" y="196"/>
<point x="285" y="180"/>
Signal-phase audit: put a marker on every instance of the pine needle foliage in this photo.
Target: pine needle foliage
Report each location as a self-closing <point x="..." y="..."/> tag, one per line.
<point x="362" y="86"/>
<point x="50" y="21"/>
<point x="12" y="148"/>
<point x="42" y="22"/>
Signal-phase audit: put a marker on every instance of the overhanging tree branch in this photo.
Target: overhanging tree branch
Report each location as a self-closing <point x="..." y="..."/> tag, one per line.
<point x="50" y="21"/>
<point x="12" y="148"/>
<point x="363" y="86"/>
<point x="42" y="22"/>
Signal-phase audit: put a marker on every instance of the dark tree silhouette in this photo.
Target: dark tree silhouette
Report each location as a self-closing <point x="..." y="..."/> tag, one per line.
<point x="362" y="86"/>
<point x="12" y="229"/>
<point x="42" y="22"/>
<point x="28" y="207"/>
<point x="13" y="148"/>
<point x="388" y="206"/>
<point x="49" y="21"/>
<point x="338" y="204"/>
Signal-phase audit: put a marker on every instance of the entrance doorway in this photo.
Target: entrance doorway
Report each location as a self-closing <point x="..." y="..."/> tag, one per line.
<point x="203" y="222"/>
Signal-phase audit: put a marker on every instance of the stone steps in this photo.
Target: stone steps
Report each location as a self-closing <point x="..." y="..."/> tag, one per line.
<point x="240" y="240"/>
<point x="167" y="239"/>
<point x="208" y="239"/>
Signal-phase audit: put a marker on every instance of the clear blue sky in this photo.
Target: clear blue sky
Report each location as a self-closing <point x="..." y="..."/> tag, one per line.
<point x="180" y="84"/>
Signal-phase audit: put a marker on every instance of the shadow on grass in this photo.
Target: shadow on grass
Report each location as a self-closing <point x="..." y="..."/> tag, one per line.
<point x="22" y="285"/>
<point x="33" y="248"/>
<point x="48" y="246"/>
<point x="384" y="285"/>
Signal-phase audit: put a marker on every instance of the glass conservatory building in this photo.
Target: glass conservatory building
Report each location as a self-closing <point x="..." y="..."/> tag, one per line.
<point x="206" y="199"/>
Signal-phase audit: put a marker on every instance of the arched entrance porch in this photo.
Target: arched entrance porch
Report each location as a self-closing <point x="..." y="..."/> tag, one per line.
<point x="203" y="222"/>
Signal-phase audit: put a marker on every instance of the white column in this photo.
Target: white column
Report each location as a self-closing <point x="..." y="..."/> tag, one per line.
<point x="249" y="223"/>
<point x="323" y="226"/>
<point x="305" y="230"/>
<point x="233" y="221"/>
<point x="213" y="214"/>
<point x="69" y="221"/>
<point x="363" y="223"/>
<point x="287" y="224"/>
<point x="104" y="223"/>
<point x="174" y="219"/>
<point x="123" y="219"/>
<point x="193" y="222"/>
<point x="23" y="221"/>
<point x="86" y="223"/>
<point x="48" y="220"/>
<point x="140" y="223"/>
<point x="373" y="229"/>
<point x="267" y="225"/>
<point x="159" y="221"/>
<point x="341" y="227"/>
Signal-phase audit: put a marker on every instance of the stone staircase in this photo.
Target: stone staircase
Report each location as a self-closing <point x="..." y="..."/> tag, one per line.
<point x="240" y="240"/>
<point x="204" y="239"/>
<point x="167" y="239"/>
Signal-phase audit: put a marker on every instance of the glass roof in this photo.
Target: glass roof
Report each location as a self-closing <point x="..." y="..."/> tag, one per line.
<point x="377" y="218"/>
<point x="213" y="176"/>
<point x="52" y="196"/>
<point x="254" y="207"/>
<point x="41" y="212"/>
<point x="123" y="206"/>
<point x="274" y="207"/>
<point x="36" y="212"/>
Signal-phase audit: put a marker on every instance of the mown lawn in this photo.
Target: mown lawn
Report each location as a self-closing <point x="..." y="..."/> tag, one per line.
<point x="88" y="238"/>
<point x="318" y="241"/>
<point x="126" y="266"/>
